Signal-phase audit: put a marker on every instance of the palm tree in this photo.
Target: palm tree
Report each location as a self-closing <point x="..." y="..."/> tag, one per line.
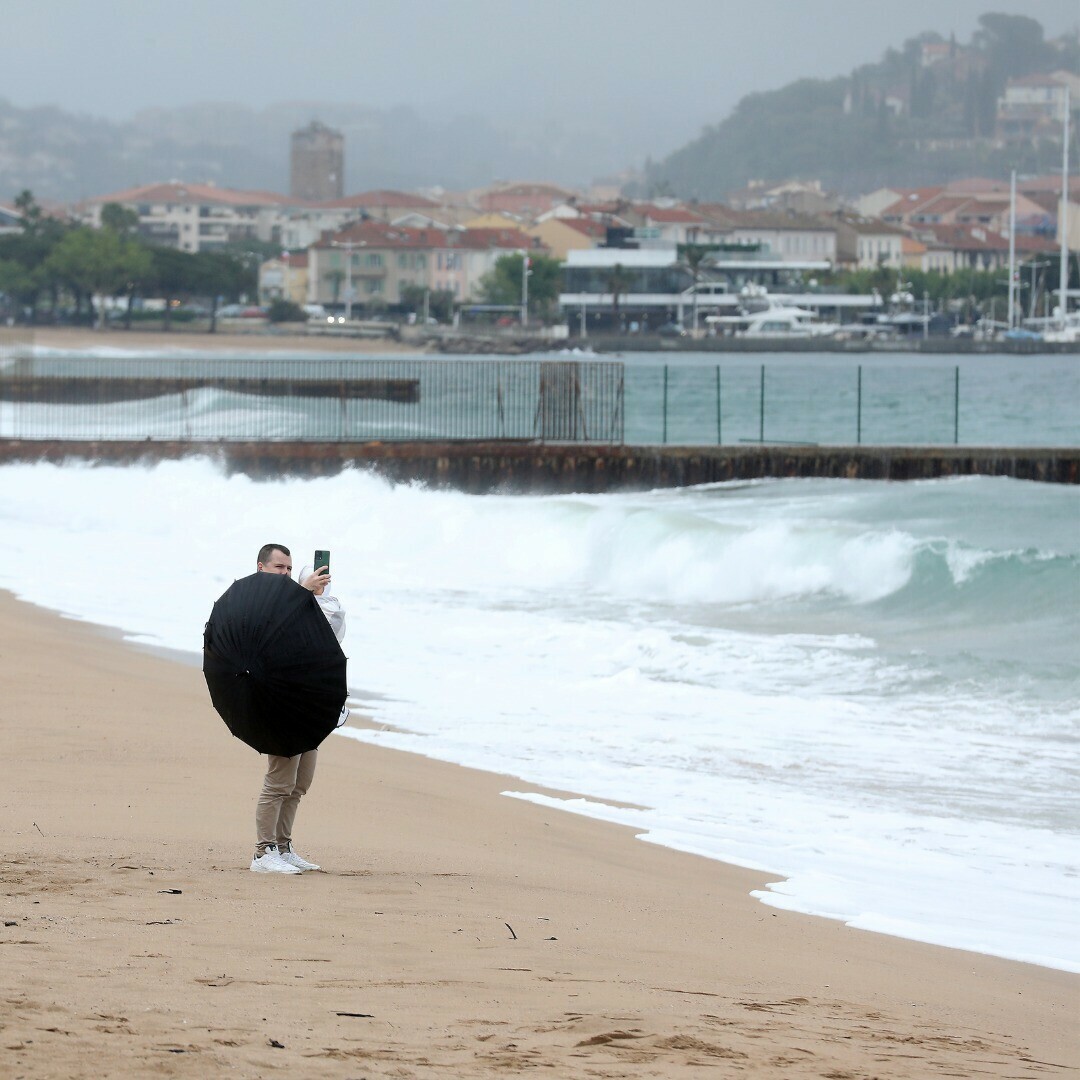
<point x="692" y="258"/>
<point x="619" y="280"/>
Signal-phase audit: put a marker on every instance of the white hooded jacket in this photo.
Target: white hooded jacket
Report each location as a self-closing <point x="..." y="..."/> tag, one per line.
<point x="335" y="616"/>
<point x="331" y="607"/>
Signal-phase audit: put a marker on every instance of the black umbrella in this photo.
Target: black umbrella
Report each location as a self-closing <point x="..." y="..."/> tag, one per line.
<point x="275" y="670"/>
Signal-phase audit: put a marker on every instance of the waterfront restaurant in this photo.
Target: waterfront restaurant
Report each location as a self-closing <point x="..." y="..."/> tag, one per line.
<point x="656" y="289"/>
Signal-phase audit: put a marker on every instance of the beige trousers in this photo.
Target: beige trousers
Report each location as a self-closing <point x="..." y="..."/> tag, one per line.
<point x="287" y="780"/>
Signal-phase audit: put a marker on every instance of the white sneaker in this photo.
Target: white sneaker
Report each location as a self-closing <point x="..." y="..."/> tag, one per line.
<point x="292" y="859"/>
<point x="270" y="862"/>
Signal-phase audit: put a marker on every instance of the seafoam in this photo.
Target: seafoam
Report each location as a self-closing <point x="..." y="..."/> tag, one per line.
<point x="866" y="691"/>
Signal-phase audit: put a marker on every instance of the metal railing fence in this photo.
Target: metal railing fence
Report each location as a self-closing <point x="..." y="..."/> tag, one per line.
<point x="703" y="405"/>
<point x="323" y="400"/>
<point x="578" y="401"/>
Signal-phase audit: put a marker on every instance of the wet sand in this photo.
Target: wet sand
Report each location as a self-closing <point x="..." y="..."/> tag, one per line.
<point x="453" y="932"/>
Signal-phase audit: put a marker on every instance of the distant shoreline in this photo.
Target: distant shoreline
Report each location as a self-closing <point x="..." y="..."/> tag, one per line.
<point x="223" y="341"/>
<point x="465" y="344"/>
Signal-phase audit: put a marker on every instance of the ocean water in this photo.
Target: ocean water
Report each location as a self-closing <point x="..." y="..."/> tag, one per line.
<point x="868" y="691"/>
<point x="685" y="398"/>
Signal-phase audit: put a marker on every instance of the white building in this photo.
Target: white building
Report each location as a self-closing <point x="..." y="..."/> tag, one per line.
<point x="1034" y="105"/>
<point x="196" y="217"/>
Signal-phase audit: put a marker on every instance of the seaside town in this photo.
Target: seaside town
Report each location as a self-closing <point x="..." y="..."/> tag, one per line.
<point x="978" y="257"/>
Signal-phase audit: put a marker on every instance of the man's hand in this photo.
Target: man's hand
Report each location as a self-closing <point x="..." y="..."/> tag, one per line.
<point x="318" y="581"/>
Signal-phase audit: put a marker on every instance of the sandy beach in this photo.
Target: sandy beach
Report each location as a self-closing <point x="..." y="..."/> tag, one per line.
<point x="270" y="340"/>
<point x="452" y="932"/>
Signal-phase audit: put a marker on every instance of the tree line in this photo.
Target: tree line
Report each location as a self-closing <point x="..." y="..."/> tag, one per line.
<point x="55" y="266"/>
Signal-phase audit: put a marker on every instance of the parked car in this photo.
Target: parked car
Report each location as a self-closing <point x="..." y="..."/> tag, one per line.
<point x="242" y="311"/>
<point x="671" y="329"/>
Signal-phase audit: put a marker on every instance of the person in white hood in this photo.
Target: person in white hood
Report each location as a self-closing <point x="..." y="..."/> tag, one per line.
<point x="288" y="778"/>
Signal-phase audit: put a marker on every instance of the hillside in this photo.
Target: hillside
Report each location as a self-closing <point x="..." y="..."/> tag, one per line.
<point x="61" y="156"/>
<point x="923" y="114"/>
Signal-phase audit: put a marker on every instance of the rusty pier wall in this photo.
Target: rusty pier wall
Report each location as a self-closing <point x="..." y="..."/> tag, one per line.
<point x="482" y="467"/>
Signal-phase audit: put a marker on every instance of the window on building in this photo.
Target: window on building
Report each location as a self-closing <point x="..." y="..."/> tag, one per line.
<point x="374" y="259"/>
<point x="374" y="286"/>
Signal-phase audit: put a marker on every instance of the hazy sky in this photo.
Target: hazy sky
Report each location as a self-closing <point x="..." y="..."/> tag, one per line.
<point x="663" y="69"/>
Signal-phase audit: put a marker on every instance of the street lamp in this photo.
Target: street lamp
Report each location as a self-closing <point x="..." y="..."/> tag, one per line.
<point x="349" y="246"/>
<point x="525" y="272"/>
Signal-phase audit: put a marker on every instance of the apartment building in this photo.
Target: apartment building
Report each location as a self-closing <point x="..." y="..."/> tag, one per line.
<point x="371" y="262"/>
<point x="788" y="237"/>
<point x="974" y="247"/>
<point x="195" y="217"/>
<point x="284" y="278"/>
<point x="866" y="243"/>
<point x="305" y="223"/>
<point x="1033" y="106"/>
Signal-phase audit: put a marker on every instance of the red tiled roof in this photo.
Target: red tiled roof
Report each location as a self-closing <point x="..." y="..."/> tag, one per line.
<point x="670" y="214"/>
<point x="377" y="234"/>
<point x="481" y="238"/>
<point x="717" y="213"/>
<point x="381" y="199"/>
<point x="910" y="199"/>
<point x="942" y="204"/>
<point x="600" y="208"/>
<point x="987" y="206"/>
<point x="589" y="226"/>
<point x="187" y="194"/>
<point x="526" y="188"/>
<point x="979" y="238"/>
<point x="1045" y="200"/>
<point x="776" y="219"/>
<point x="870" y="226"/>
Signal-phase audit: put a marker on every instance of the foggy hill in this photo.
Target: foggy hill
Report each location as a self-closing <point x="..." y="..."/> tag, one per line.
<point x="62" y="156"/>
<point x="919" y="116"/>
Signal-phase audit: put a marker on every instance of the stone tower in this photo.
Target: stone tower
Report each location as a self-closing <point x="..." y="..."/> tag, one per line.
<point x="317" y="163"/>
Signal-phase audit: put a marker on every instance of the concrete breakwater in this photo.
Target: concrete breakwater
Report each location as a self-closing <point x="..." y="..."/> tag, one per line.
<point x="552" y="468"/>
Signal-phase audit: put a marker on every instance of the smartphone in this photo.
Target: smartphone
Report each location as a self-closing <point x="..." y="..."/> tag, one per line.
<point x="322" y="558"/>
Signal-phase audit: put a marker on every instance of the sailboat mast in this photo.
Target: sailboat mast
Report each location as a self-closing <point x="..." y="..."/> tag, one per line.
<point x="1012" y="249"/>
<point x="1063" y="278"/>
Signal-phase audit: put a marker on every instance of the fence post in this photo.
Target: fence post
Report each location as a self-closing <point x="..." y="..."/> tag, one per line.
<point x="761" y="408"/>
<point x="858" y="410"/>
<point x="719" y="428"/>
<point x="956" y="407"/>
<point x="664" y="439"/>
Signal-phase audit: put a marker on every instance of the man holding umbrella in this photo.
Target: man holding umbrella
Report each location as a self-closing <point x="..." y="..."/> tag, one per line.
<point x="288" y="778"/>
<point x="277" y="676"/>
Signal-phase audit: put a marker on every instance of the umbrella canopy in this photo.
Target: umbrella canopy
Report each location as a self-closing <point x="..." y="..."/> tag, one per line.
<point x="275" y="670"/>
